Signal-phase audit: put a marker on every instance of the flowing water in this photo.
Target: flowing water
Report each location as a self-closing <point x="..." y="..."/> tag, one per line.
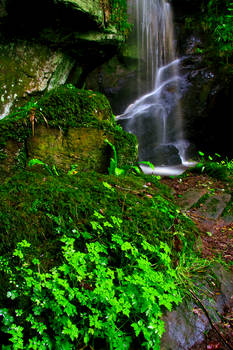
<point x="156" y="116"/>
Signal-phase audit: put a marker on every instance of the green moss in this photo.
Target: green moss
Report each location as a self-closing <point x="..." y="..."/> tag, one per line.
<point x="38" y="207"/>
<point x="14" y="130"/>
<point x="14" y="127"/>
<point x="3" y="155"/>
<point x="65" y="108"/>
<point x="68" y="107"/>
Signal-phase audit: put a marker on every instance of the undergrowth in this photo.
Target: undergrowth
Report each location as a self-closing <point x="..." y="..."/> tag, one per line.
<point x="119" y="15"/>
<point x="215" y="166"/>
<point x="89" y="259"/>
<point x="111" y="289"/>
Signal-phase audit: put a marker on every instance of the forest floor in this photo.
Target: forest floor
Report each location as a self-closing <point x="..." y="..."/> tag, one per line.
<point x="216" y="236"/>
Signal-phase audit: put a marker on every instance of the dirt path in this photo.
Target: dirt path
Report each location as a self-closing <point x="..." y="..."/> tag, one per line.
<point x="216" y="233"/>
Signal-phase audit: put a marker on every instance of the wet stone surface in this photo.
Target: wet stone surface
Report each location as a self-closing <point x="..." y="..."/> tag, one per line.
<point x="213" y="207"/>
<point x="190" y="197"/>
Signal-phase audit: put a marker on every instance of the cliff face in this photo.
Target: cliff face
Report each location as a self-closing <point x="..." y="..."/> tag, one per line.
<point x="46" y="43"/>
<point x="206" y="81"/>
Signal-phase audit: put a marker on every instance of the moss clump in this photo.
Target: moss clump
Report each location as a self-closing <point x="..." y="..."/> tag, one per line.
<point x="67" y="106"/>
<point x="14" y="131"/>
<point x="17" y="128"/>
<point x="66" y="109"/>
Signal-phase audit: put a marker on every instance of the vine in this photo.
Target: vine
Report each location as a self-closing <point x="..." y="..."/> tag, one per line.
<point x="119" y="15"/>
<point x="220" y="22"/>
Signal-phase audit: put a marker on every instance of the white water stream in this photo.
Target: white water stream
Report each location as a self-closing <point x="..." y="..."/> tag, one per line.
<point x="156" y="116"/>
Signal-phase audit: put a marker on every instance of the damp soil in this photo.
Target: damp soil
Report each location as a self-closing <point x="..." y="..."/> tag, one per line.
<point x="216" y="235"/>
<point x="216" y="240"/>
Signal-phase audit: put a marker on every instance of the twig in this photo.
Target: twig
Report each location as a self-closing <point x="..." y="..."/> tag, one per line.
<point x="32" y="119"/>
<point x="46" y="121"/>
<point x="210" y="321"/>
<point x="130" y="190"/>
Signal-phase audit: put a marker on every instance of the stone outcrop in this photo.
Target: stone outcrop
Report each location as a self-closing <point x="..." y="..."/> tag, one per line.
<point x="47" y="43"/>
<point x="185" y="327"/>
<point x="206" y="98"/>
<point x="90" y="7"/>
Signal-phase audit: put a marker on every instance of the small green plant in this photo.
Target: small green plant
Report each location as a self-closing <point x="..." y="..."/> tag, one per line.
<point x="29" y="110"/>
<point x="73" y="170"/>
<point x="109" y="288"/>
<point x="199" y="50"/>
<point x="214" y="166"/>
<point x="52" y="171"/>
<point x="113" y="168"/>
<point x="25" y="110"/>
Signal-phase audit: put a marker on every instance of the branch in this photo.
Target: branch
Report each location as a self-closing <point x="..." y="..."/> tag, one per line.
<point x="210" y="321"/>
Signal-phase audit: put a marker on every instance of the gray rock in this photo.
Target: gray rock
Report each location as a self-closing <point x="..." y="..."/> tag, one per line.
<point x="186" y="326"/>
<point x="190" y="198"/>
<point x="213" y="207"/>
<point x="162" y="155"/>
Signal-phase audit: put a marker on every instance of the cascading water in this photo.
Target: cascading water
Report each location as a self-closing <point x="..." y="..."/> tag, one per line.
<point x="156" y="117"/>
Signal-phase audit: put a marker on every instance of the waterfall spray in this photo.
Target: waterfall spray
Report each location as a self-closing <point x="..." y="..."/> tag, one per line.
<point x="156" y="116"/>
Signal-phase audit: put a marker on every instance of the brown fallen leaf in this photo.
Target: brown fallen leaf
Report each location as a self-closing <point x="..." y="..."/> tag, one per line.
<point x="213" y="346"/>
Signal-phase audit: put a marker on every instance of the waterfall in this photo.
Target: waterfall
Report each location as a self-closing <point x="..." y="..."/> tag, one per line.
<point x="156" y="116"/>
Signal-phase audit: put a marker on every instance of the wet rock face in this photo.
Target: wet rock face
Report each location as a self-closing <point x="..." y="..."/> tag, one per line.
<point x="186" y="326"/>
<point x="28" y="69"/>
<point x="205" y="98"/>
<point x="207" y="82"/>
<point x="46" y="43"/>
<point x="116" y="79"/>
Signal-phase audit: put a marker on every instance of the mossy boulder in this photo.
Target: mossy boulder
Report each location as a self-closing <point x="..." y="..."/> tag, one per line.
<point x="67" y="126"/>
<point x="83" y="147"/>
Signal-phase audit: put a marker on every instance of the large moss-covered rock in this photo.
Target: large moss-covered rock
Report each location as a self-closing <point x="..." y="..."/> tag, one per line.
<point x="67" y="126"/>
<point x="44" y="44"/>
